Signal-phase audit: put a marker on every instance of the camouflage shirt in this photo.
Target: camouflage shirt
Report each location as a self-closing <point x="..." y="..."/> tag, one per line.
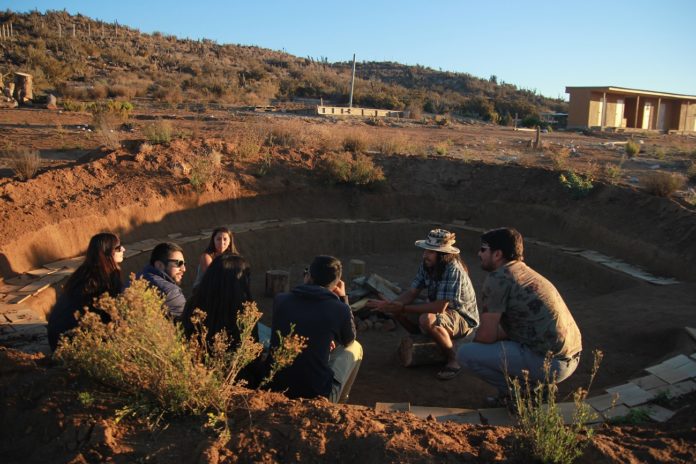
<point x="533" y="312"/>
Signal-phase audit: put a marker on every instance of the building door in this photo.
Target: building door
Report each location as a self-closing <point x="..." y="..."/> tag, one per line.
<point x="661" y="117"/>
<point x="618" y="120"/>
<point x="647" y="115"/>
<point x="600" y="111"/>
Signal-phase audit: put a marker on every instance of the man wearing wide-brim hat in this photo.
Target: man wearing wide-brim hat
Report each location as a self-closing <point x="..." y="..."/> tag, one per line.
<point x="450" y="311"/>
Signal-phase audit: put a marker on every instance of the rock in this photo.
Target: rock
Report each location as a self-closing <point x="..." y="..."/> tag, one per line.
<point x="52" y="102"/>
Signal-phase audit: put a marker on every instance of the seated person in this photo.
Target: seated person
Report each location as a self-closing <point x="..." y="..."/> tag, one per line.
<point x="523" y="319"/>
<point x="99" y="273"/>
<point x="165" y="271"/>
<point x="451" y="310"/>
<point x="318" y="310"/>
<point x="221" y="242"/>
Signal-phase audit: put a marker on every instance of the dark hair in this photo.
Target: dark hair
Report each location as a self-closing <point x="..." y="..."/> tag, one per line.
<point x="99" y="272"/>
<point x="225" y="286"/>
<point x="325" y="270"/>
<point x="231" y="250"/>
<point x="163" y="251"/>
<point x="508" y="240"/>
<point x="443" y="260"/>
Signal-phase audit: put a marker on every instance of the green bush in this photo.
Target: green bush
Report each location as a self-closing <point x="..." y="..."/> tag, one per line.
<point x="632" y="148"/>
<point x="663" y="184"/>
<point x="540" y="425"/>
<point x="158" y="132"/>
<point x="149" y="361"/>
<point x="360" y="170"/>
<point x="204" y="169"/>
<point x="73" y="106"/>
<point x="579" y="186"/>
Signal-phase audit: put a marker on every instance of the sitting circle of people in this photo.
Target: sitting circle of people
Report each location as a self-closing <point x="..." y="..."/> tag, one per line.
<point x="522" y="320"/>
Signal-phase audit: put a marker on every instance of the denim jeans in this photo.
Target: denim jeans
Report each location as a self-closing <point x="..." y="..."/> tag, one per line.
<point x="495" y="362"/>
<point x="344" y="361"/>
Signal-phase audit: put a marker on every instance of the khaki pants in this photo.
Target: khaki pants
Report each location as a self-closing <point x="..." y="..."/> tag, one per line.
<point x="344" y="362"/>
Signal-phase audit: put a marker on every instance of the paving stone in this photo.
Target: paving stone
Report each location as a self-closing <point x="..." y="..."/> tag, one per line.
<point x="692" y="333"/>
<point x="388" y="407"/>
<point x="42" y="283"/>
<point x="438" y="412"/>
<point x="72" y="263"/>
<point x="6" y="329"/>
<point x="174" y="235"/>
<point x="676" y="390"/>
<point x="649" y="381"/>
<point x="41" y="272"/>
<point x="472" y="417"/>
<point x="188" y="239"/>
<point x="693" y="356"/>
<point x="130" y="252"/>
<point x="602" y="402"/>
<point x="567" y="411"/>
<point x="143" y="245"/>
<point x="658" y="413"/>
<point x="496" y="416"/>
<point x="620" y="410"/>
<point x="675" y="369"/>
<point x="18" y="298"/>
<point x="676" y="361"/>
<point x="631" y="394"/>
<point x="22" y="315"/>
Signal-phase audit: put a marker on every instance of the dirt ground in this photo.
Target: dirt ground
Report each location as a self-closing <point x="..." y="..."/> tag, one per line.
<point x="487" y="177"/>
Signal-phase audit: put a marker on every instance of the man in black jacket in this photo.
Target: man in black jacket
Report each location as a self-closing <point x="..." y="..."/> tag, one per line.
<point x="165" y="271"/>
<point x="319" y="310"/>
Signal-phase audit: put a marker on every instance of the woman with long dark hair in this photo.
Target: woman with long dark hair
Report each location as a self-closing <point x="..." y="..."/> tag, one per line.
<point x="221" y="243"/>
<point x="99" y="273"/>
<point x="225" y="286"/>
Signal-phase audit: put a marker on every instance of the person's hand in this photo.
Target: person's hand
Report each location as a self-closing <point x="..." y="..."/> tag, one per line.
<point x="332" y="346"/>
<point x="340" y="289"/>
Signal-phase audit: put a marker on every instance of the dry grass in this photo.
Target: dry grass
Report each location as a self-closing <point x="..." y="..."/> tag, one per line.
<point x="158" y="132"/>
<point x="346" y="168"/>
<point x="663" y="184"/>
<point x="356" y="141"/>
<point x="24" y="163"/>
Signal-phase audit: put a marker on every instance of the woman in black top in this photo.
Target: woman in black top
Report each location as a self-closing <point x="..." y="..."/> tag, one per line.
<point x="100" y="273"/>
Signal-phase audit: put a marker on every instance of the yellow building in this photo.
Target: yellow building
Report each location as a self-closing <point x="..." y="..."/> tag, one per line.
<point x="617" y="108"/>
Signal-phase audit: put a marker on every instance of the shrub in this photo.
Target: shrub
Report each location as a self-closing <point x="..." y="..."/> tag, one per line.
<point x="343" y="168"/>
<point x="150" y="363"/>
<point x="442" y="148"/>
<point x="632" y="148"/>
<point x="540" y="425"/>
<point x="105" y="126"/>
<point x="663" y="184"/>
<point x="691" y="172"/>
<point x="286" y="134"/>
<point x="613" y="172"/>
<point x="115" y="108"/>
<point x="204" y="169"/>
<point x="391" y="145"/>
<point x="579" y="186"/>
<point x="248" y="145"/>
<point x="158" y="132"/>
<point x="559" y="158"/>
<point x="25" y="163"/>
<point x="70" y="105"/>
<point x="356" y="141"/>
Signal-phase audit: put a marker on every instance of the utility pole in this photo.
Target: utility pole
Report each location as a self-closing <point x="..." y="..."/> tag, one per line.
<point x="352" y="84"/>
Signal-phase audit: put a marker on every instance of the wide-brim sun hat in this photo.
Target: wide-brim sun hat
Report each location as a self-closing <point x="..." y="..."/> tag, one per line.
<point x="439" y="240"/>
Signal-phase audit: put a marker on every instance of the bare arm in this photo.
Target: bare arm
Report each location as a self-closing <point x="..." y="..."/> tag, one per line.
<point x="204" y="262"/>
<point x="489" y="331"/>
<point x="403" y="304"/>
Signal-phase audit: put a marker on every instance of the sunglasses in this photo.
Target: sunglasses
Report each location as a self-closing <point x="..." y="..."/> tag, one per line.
<point x="177" y="262"/>
<point x="119" y="248"/>
<point x="483" y="249"/>
<point x="306" y="271"/>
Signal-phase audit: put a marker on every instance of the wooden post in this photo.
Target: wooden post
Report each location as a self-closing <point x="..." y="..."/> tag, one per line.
<point x="60" y="31"/>
<point x="538" y="144"/>
<point x="356" y="268"/>
<point x="277" y="282"/>
<point x="73" y="30"/>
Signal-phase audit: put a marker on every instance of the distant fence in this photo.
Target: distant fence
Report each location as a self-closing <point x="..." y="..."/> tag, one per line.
<point x="360" y="112"/>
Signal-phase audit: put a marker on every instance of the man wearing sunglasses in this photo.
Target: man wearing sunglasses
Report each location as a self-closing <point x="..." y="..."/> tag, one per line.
<point x="165" y="271"/>
<point x="523" y="320"/>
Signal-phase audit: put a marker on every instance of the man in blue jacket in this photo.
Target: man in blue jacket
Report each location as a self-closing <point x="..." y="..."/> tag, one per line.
<point x="165" y="271"/>
<point x="319" y="310"/>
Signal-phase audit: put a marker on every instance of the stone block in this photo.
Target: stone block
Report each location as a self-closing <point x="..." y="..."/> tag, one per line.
<point x="497" y="416"/>
<point x="649" y="381"/>
<point x="602" y="402"/>
<point x="143" y="245"/>
<point x="389" y="407"/>
<point x="631" y="394"/>
<point x="71" y="263"/>
<point x="658" y="413"/>
<point x="676" y="390"/>
<point x="620" y="410"/>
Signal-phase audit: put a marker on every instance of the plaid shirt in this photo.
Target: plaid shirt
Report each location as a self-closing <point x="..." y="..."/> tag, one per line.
<point x="454" y="287"/>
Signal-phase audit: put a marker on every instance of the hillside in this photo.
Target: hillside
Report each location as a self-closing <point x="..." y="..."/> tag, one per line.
<point x="79" y="58"/>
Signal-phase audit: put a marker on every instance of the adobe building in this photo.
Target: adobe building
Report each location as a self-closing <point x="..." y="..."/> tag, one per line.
<point x="621" y="109"/>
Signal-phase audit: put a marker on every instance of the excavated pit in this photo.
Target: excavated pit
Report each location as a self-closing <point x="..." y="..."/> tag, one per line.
<point x="633" y="322"/>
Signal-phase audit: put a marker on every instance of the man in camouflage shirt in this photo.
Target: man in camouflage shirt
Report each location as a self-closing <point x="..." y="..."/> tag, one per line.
<point x="523" y="319"/>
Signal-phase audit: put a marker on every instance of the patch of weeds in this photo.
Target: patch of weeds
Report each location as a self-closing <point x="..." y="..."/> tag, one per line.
<point x="85" y="398"/>
<point x="204" y="169"/>
<point x="287" y="134"/>
<point x="540" y="426"/>
<point x="691" y="172"/>
<point x="152" y="366"/>
<point x="559" y="158"/>
<point x="248" y="145"/>
<point x="159" y="132"/>
<point x="660" y="153"/>
<point x="264" y="164"/>
<point x="106" y="128"/>
<point x="634" y="417"/>
<point x="632" y="148"/>
<point x="578" y="185"/>
<point x="24" y="163"/>
<point x="72" y="106"/>
<point x="442" y="121"/>
<point x="359" y="170"/>
<point x="356" y="141"/>
<point x="663" y="184"/>
<point x="442" y="148"/>
<point x="391" y="145"/>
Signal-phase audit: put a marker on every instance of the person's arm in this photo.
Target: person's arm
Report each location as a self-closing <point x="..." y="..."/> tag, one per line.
<point x="340" y="291"/>
<point x="489" y="330"/>
<point x="397" y="305"/>
<point x="204" y="262"/>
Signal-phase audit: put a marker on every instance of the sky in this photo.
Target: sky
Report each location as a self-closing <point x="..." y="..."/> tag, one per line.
<point x="538" y="45"/>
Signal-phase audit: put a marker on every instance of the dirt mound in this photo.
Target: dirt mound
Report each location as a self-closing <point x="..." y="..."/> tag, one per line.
<point x="45" y="419"/>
